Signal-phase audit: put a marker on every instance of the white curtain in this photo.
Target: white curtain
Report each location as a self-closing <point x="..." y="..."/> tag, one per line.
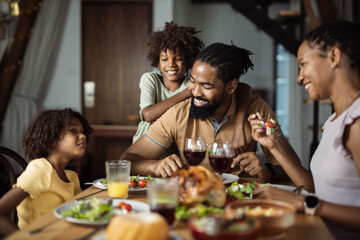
<point x="36" y="71"/>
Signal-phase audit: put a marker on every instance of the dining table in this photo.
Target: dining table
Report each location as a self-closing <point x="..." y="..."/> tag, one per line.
<point x="305" y="227"/>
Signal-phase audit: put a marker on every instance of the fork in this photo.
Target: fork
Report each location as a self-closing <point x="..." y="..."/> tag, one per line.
<point x="36" y="230"/>
<point x="298" y="189"/>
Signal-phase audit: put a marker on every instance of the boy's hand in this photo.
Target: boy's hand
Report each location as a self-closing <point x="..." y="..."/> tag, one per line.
<point x="239" y="141"/>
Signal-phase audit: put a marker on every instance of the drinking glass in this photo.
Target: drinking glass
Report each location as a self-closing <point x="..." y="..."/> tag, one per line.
<point x="221" y="156"/>
<point x="163" y="197"/>
<point x="117" y="175"/>
<point x="194" y="150"/>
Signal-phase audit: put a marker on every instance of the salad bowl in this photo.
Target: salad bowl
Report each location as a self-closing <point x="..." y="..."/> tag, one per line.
<point x="274" y="216"/>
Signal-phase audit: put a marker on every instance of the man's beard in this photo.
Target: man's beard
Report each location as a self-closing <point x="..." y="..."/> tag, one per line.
<point x="202" y="112"/>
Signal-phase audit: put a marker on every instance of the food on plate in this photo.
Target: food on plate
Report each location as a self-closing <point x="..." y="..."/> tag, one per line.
<point x="183" y="212"/>
<point x="125" y="206"/>
<point x="220" y="228"/>
<point x="274" y="216"/>
<point x="103" y="181"/>
<point x="200" y="185"/>
<point x="261" y="211"/>
<point x="244" y="190"/>
<point x="268" y="126"/>
<point x="151" y="226"/>
<point x="91" y="209"/>
<point x="137" y="181"/>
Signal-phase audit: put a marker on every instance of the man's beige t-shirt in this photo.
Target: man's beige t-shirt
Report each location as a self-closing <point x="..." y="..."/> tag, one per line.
<point x="176" y="124"/>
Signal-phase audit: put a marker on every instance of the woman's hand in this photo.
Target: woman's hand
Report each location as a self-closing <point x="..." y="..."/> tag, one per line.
<point x="272" y="193"/>
<point x="259" y="134"/>
<point x="168" y="166"/>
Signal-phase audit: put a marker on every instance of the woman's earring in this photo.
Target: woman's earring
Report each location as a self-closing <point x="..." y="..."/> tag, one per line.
<point x="332" y="66"/>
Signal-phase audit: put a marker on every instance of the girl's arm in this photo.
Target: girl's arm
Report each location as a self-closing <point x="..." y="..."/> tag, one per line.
<point x="153" y="112"/>
<point x="239" y="139"/>
<point x="8" y="203"/>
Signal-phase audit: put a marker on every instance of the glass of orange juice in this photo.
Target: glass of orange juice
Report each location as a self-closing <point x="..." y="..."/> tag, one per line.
<point x="117" y="175"/>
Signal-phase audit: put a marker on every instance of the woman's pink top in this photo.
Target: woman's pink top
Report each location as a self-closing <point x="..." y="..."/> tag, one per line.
<point x="336" y="177"/>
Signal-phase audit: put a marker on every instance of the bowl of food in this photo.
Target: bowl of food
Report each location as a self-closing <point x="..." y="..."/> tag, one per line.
<point x="275" y="217"/>
<point x="216" y="228"/>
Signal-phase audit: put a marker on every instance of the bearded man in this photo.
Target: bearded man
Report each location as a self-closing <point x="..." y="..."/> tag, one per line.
<point x="210" y="113"/>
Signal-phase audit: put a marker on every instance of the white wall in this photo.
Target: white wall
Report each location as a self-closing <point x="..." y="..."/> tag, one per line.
<point x="221" y="23"/>
<point x="64" y="89"/>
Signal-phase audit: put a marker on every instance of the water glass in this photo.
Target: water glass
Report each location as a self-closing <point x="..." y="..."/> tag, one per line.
<point x="163" y="197"/>
<point x="117" y="175"/>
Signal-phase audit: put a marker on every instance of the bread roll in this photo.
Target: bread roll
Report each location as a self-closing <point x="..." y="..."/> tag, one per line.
<point x="136" y="226"/>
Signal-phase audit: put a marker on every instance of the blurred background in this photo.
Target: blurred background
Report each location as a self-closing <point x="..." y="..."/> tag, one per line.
<point x="89" y="55"/>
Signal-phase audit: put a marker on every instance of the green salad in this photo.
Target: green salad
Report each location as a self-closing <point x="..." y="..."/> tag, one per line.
<point x="91" y="209"/>
<point x="183" y="212"/>
<point x="244" y="190"/>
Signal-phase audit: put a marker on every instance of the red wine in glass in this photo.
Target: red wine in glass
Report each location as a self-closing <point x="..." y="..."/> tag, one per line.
<point x="194" y="157"/>
<point x="220" y="163"/>
<point x="165" y="210"/>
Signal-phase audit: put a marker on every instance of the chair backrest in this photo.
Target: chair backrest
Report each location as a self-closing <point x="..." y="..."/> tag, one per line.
<point x="5" y="154"/>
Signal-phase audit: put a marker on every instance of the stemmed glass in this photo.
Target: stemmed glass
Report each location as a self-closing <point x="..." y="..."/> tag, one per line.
<point x="194" y="150"/>
<point x="221" y="156"/>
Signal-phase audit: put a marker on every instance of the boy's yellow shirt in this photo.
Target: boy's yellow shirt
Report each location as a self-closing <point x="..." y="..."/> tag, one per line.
<point x="47" y="191"/>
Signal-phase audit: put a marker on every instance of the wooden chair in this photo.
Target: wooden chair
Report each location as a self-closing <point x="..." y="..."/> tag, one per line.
<point x="5" y="154"/>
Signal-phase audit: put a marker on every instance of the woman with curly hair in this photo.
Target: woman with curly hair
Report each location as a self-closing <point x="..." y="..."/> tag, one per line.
<point x="173" y="50"/>
<point x="52" y="141"/>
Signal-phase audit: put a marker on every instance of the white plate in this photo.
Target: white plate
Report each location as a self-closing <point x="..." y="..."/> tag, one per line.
<point x="229" y="178"/>
<point x="102" y="236"/>
<point x="138" y="189"/>
<point x="289" y="188"/>
<point x="98" y="184"/>
<point x="136" y="207"/>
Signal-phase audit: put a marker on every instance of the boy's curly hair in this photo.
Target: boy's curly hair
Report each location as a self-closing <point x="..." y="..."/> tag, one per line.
<point x="172" y="37"/>
<point x="46" y="130"/>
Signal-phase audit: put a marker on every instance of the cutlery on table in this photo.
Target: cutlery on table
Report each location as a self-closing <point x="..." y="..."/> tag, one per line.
<point x="91" y="233"/>
<point x="39" y="229"/>
<point x="298" y="189"/>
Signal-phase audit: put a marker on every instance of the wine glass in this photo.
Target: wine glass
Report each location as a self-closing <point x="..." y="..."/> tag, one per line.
<point x="194" y="150"/>
<point x="221" y="156"/>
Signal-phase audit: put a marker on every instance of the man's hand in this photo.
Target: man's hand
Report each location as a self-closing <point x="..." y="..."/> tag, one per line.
<point x="239" y="141"/>
<point x="250" y="163"/>
<point x="168" y="166"/>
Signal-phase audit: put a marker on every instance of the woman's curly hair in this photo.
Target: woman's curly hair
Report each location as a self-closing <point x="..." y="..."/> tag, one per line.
<point x="342" y="34"/>
<point x="46" y="130"/>
<point x="171" y="38"/>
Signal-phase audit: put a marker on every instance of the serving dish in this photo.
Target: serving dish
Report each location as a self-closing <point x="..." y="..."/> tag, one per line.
<point x="218" y="228"/>
<point x="274" y="225"/>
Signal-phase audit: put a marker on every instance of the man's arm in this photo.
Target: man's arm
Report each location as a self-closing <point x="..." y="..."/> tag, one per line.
<point x="143" y="155"/>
